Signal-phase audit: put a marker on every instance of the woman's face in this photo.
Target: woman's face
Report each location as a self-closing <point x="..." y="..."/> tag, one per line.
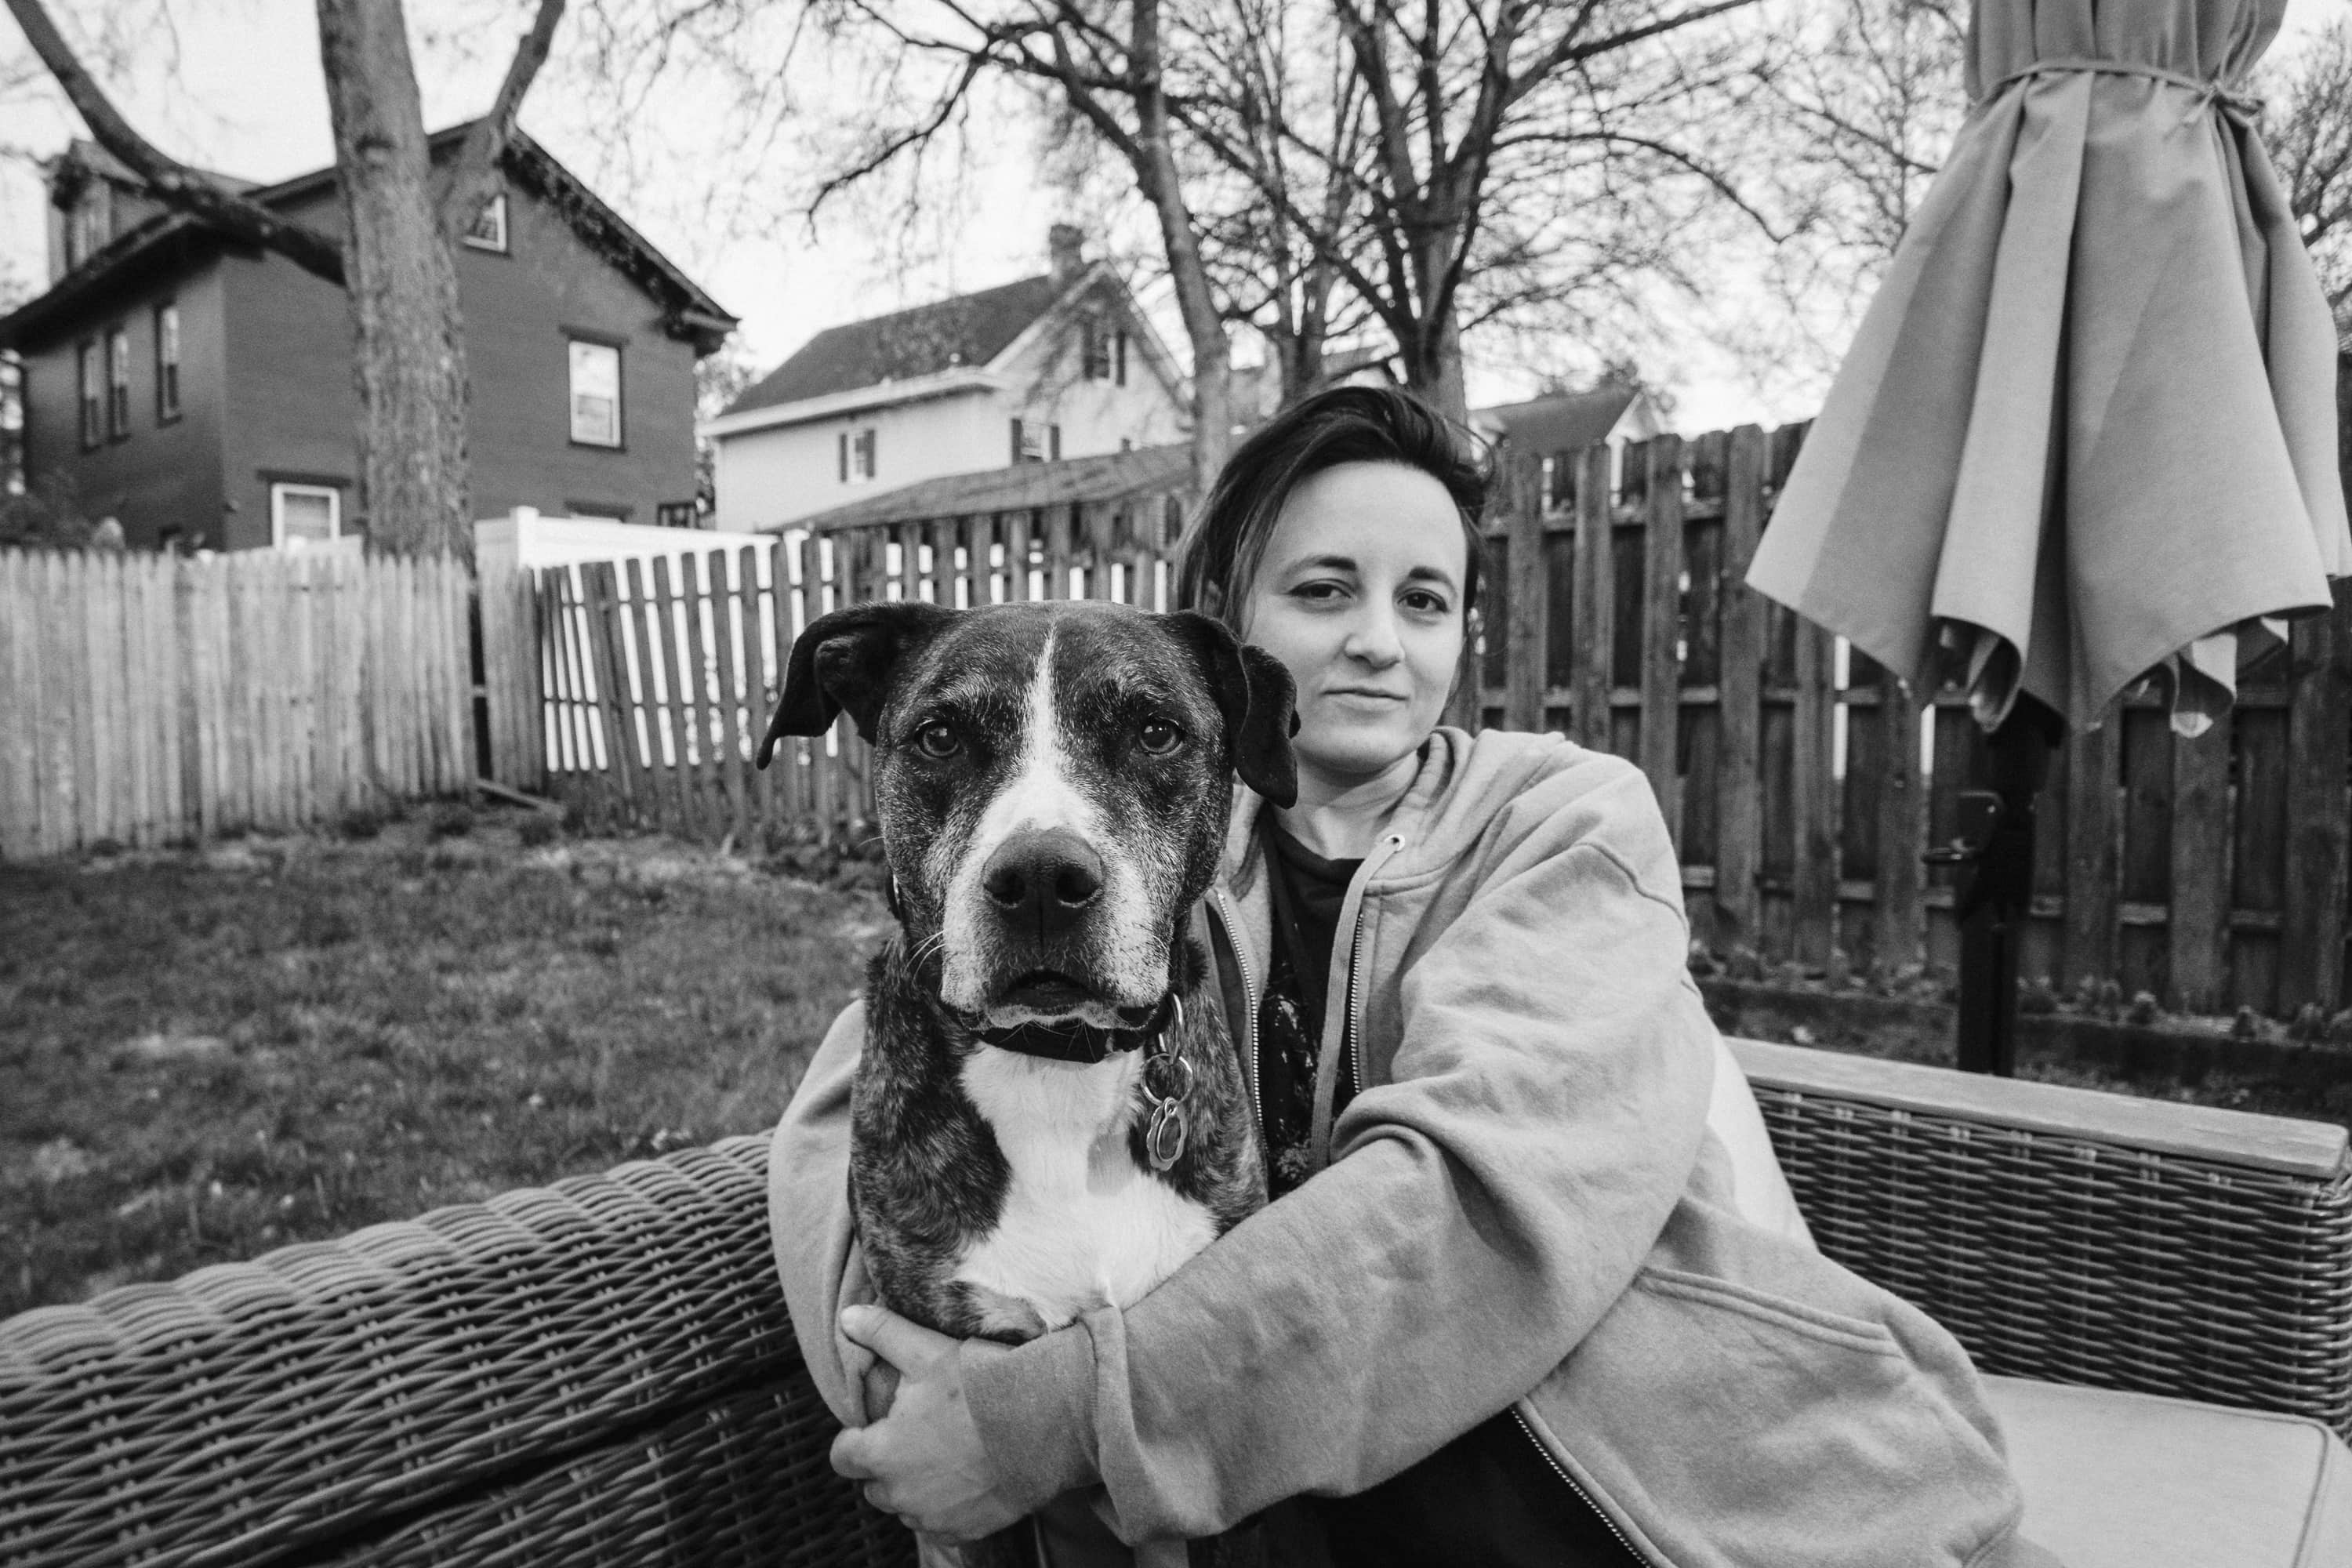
<point x="1360" y="595"/>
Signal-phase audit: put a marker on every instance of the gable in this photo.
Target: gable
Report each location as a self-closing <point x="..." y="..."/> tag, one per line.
<point x="963" y="332"/>
<point x="687" y="313"/>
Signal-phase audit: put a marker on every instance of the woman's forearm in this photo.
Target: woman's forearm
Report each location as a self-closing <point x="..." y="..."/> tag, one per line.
<point x="1489" y="1207"/>
<point x="809" y="1220"/>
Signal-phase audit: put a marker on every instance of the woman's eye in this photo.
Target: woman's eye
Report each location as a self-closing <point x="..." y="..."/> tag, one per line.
<point x="1159" y="737"/>
<point x="1426" y="603"/>
<point x="1317" y="591"/>
<point x="937" y="740"/>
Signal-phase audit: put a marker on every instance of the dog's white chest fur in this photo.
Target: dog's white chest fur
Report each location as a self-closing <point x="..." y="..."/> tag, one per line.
<point x="1082" y="1225"/>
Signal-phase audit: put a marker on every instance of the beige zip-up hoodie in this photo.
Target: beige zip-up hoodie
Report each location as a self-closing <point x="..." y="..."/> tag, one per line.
<point x="1522" y="1210"/>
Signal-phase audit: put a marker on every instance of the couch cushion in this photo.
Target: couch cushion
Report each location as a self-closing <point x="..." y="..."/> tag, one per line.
<point x="2136" y="1480"/>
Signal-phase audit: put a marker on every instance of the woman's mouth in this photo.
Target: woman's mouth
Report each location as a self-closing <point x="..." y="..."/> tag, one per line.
<point x="1365" y="694"/>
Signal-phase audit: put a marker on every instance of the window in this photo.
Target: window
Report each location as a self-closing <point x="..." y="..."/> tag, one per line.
<point x="1028" y="443"/>
<point x="93" y="416"/>
<point x="489" y="230"/>
<point x="118" y="383"/>
<point x="1054" y="442"/>
<point x="856" y="453"/>
<point x="595" y="394"/>
<point x="1119" y="357"/>
<point x="167" y="363"/>
<point x="1094" y="351"/>
<point x="87" y="224"/>
<point x="302" y="515"/>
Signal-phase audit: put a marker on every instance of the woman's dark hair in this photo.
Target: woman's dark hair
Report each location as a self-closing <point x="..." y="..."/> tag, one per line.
<point x="1220" y="555"/>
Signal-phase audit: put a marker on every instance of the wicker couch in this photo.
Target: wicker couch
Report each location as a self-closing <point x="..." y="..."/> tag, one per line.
<point x="601" y="1372"/>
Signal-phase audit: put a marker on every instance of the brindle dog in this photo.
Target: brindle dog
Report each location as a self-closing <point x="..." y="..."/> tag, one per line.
<point x="1049" y="1115"/>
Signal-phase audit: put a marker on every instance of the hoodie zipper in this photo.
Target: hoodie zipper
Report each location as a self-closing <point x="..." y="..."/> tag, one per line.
<point x="1353" y="1042"/>
<point x="1226" y="926"/>
<point x="1581" y="1495"/>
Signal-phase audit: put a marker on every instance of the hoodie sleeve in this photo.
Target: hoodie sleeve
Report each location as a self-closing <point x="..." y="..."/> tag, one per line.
<point x="1550" y="1099"/>
<point x="809" y="1221"/>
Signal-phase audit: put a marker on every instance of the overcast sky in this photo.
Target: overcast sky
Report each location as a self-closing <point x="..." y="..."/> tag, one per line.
<point x="241" y="92"/>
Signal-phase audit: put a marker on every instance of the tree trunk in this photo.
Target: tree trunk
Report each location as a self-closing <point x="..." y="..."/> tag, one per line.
<point x="410" y="363"/>
<point x="1157" y="177"/>
<point x="1432" y="365"/>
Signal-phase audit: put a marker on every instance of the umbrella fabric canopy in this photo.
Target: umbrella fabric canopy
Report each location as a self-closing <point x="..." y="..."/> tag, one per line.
<point x="2087" y="429"/>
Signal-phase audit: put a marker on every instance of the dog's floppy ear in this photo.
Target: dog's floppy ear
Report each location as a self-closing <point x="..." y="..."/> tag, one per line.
<point x="1254" y="693"/>
<point x="844" y="662"/>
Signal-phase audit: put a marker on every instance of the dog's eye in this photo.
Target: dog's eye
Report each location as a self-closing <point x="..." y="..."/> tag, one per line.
<point x="938" y="739"/>
<point x="1159" y="737"/>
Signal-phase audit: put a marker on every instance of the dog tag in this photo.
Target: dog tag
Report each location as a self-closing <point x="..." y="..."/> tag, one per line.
<point x="1160" y="1079"/>
<point x="1163" y="1140"/>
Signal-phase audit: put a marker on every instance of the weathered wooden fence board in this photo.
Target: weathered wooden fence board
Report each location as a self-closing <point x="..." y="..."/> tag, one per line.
<point x="151" y="698"/>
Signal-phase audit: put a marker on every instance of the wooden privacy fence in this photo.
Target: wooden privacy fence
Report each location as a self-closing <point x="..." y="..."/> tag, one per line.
<point x="150" y="699"/>
<point x="1801" y="782"/>
<point x="630" y="739"/>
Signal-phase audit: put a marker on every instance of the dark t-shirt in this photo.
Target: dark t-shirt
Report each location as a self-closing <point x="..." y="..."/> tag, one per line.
<point x="1306" y="892"/>
<point x="1490" y="1499"/>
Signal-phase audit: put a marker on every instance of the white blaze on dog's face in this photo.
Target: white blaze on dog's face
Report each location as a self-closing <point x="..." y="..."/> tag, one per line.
<point x="1054" y="789"/>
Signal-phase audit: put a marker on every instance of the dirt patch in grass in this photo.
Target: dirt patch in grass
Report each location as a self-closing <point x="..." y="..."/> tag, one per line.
<point x="209" y="1053"/>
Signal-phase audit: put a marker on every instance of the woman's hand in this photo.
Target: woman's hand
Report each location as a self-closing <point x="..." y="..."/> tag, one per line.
<point x="923" y="1461"/>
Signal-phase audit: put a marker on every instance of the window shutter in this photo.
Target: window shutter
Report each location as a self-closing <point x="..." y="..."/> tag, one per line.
<point x="1119" y="349"/>
<point x="873" y="453"/>
<point x="845" y="456"/>
<point x="1017" y="440"/>
<point x="1054" y="442"/>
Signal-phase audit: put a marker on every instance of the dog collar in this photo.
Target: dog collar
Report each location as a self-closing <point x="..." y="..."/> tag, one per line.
<point x="1084" y="1042"/>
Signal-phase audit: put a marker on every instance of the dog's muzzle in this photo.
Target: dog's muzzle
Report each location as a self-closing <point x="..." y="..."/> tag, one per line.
<point x="1041" y="883"/>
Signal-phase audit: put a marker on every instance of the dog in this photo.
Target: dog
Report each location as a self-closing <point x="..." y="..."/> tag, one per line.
<point x="1048" y="1115"/>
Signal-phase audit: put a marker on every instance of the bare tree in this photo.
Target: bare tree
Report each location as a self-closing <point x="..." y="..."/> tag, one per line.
<point x="394" y="259"/>
<point x="2308" y="130"/>
<point x="1108" y="69"/>
<point x="1496" y="133"/>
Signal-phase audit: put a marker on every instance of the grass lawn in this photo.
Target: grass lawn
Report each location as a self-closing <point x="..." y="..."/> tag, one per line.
<point x="208" y="1055"/>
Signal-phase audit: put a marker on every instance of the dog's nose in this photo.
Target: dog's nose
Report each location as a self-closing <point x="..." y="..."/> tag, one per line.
<point x="1048" y="877"/>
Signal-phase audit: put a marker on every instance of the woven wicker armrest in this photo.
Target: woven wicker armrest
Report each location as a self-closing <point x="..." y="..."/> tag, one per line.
<point x="599" y="1373"/>
<point x="2078" y="1237"/>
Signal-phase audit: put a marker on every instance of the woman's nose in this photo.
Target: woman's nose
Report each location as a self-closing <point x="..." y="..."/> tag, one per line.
<point x="1373" y="638"/>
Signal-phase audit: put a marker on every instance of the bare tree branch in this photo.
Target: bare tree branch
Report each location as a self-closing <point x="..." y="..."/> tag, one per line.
<point x="474" y="178"/>
<point x="183" y="189"/>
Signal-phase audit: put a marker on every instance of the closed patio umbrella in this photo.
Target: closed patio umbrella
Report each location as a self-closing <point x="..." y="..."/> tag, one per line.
<point x="2086" y="431"/>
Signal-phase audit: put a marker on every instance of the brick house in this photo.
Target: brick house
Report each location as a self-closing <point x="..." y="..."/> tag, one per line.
<point x="201" y="391"/>
<point x="1061" y="366"/>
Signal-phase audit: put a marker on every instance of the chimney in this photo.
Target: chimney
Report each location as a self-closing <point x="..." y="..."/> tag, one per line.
<point x="1066" y="243"/>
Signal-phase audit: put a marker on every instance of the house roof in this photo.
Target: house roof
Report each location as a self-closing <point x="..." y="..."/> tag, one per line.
<point x="965" y="332"/>
<point x="689" y="313"/>
<point x="1112" y="477"/>
<point x="1562" y="421"/>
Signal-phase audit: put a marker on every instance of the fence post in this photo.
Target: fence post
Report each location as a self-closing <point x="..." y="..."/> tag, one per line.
<point x="2198" y="931"/>
<point x="1595" y="616"/>
<point x="2318" y="836"/>
<point x="1661" y="664"/>
<point x="1528" y="607"/>
<point x="1740" y="768"/>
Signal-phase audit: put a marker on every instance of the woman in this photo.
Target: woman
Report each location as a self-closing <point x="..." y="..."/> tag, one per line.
<point x="1513" y="1300"/>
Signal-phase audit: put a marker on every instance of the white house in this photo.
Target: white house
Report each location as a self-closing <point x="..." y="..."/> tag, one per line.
<point x="1563" y="422"/>
<point x="1061" y="366"/>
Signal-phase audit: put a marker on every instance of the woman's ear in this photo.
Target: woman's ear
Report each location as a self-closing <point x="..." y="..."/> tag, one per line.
<point x="1213" y="601"/>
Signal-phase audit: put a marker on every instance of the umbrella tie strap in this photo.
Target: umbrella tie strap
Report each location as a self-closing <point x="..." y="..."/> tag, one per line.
<point x="2244" y="103"/>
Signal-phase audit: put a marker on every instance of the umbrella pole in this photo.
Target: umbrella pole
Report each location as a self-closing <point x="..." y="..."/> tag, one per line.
<point x="1999" y="892"/>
